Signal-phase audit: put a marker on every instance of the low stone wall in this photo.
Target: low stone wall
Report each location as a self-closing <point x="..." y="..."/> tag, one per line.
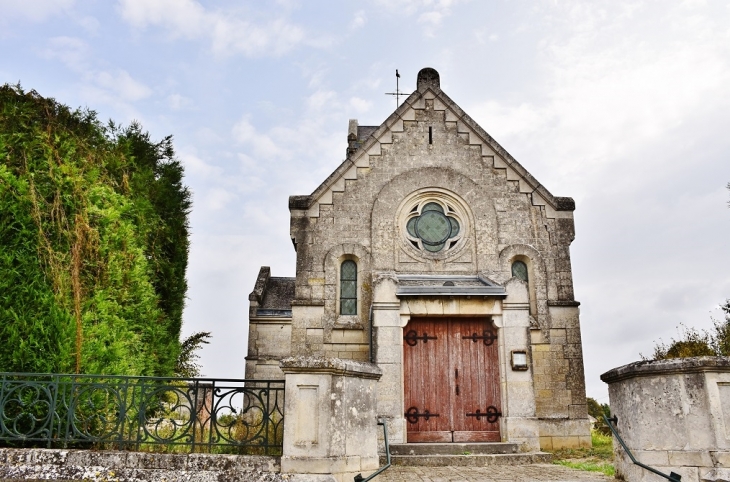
<point x="330" y="435"/>
<point x="107" y="466"/>
<point x="674" y="415"/>
<point x="330" y="429"/>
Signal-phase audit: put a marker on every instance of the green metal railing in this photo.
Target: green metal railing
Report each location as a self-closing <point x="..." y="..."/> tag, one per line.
<point x="142" y="413"/>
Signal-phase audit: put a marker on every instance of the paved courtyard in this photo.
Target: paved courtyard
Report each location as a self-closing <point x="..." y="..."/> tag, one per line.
<point x="496" y="473"/>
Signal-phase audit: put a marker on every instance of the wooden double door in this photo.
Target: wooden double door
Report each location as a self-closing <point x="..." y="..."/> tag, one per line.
<point x="451" y="370"/>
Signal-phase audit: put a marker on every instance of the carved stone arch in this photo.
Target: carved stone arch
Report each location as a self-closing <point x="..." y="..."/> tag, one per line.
<point x="537" y="279"/>
<point x="332" y="261"/>
<point x="386" y="233"/>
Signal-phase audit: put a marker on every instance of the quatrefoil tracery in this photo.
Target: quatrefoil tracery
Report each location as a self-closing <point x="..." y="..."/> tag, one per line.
<point x="433" y="227"/>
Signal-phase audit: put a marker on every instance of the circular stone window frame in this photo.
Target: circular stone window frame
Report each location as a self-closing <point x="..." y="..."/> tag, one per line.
<point x="453" y="205"/>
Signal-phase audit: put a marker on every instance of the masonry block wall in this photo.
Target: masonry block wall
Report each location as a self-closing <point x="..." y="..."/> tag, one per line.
<point x="430" y="147"/>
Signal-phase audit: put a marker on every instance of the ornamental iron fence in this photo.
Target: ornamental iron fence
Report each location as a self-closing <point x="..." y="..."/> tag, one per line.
<point x="142" y="413"/>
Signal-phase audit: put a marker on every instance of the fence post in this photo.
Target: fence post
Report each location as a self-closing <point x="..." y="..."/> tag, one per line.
<point x="330" y="429"/>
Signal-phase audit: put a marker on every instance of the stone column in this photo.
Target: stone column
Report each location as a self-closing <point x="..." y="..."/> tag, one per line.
<point x="520" y="422"/>
<point x="388" y="341"/>
<point x="330" y="426"/>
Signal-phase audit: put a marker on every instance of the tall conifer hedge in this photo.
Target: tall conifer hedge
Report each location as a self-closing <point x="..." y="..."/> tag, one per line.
<point x="93" y="242"/>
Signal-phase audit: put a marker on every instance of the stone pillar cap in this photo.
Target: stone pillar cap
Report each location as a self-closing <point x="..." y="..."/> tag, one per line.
<point x="428" y="77"/>
<point x="668" y="367"/>
<point x="334" y="366"/>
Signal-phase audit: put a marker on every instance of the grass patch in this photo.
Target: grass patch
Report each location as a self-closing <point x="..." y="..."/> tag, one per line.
<point x="598" y="458"/>
<point x="605" y="468"/>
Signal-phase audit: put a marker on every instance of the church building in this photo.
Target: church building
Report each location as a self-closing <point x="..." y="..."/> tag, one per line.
<point x="433" y="254"/>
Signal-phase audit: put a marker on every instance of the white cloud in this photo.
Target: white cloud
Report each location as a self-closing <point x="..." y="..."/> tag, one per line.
<point x="430" y="12"/>
<point x="323" y="100"/>
<point x="194" y="165"/>
<point x="608" y="90"/>
<point x="90" y="24"/>
<point x="178" y="102"/>
<point x="263" y="145"/>
<point x="625" y="117"/>
<point x="359" y="20"/>
<point x="226" y="32"/>
<point x="360" y="105"/>
<point x="433" y="18"/>
<point x="217" y="198"/>
<point x="34" y="10"/>
<point x="115" y="85"/>
<point x="71" y="51"/>
<point x="122" y="84"/>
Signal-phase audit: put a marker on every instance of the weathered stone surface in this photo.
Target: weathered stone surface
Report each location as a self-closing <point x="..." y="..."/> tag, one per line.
<point x="54" y="464"/>
<point x="335" y="366"/>
<point x="472" y="460"/>
<point x="330" y="427"/>
<point x="673" y="414"/>
<point x="493" y="473"/>
<point x="430" y="150"/>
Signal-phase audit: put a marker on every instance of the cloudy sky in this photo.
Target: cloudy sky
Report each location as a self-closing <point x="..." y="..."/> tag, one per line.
<point x="625" y="106"/>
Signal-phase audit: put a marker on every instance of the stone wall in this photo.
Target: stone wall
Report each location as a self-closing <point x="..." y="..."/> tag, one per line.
<point x="57" y="464"/>
<point x="430" y="147"/>
<point x="674" y="415"/>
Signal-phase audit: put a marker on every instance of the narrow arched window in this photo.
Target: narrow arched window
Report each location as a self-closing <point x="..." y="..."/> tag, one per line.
<point x="348" y="288"/>
<point x="519" y="270"/>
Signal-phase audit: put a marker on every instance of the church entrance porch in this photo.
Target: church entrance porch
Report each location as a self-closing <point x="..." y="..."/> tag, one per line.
<point x="452" y="380"/>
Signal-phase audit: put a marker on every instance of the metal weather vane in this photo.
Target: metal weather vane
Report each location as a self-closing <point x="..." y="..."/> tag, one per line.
<point x="397" y="92"/>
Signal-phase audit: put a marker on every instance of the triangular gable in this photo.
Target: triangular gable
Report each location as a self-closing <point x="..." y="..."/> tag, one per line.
<point x="492" y="153"/>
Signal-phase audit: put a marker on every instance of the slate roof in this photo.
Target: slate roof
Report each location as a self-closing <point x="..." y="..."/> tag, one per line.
<point x="363" y="132"/>
<point x="278" y="295"/>
<point x="273" y="294"/>
<point x="447" y="285"/>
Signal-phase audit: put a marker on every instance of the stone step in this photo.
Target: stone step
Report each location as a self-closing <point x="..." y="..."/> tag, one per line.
<point x="483" y="448"/>
<point x="472" y="460"/>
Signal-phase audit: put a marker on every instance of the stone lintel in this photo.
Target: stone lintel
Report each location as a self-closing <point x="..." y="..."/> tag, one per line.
<point x="672" y="366"/>
<point x="333" y="366"/>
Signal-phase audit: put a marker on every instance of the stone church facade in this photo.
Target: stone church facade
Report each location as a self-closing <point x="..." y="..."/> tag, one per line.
<point x="433" y="254"/>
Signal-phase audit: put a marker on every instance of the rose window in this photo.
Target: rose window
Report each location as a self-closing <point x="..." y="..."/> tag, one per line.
<point x="433" y="227"/>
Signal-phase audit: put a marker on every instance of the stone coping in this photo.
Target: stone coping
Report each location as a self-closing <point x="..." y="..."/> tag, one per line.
<point x="334" y="366"/>
<point x="673" y="366"/>
<point x="10" y="457"/>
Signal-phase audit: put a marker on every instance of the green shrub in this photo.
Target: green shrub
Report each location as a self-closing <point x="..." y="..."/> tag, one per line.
<point x="93" y="242"/>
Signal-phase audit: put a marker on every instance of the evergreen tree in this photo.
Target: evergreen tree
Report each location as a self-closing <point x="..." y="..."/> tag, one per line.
<point x="93" y="242"/>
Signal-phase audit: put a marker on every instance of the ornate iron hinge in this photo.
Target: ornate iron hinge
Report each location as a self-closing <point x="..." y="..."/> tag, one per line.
<point x="487" y="335"/>
<point x="412" y="415"/>
<point x="492" y="414"/>
<point x="412" y="338"/>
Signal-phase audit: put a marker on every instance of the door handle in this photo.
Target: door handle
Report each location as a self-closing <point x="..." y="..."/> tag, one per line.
<point x="457" y="389"/>
<point x="456" y="373"/>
